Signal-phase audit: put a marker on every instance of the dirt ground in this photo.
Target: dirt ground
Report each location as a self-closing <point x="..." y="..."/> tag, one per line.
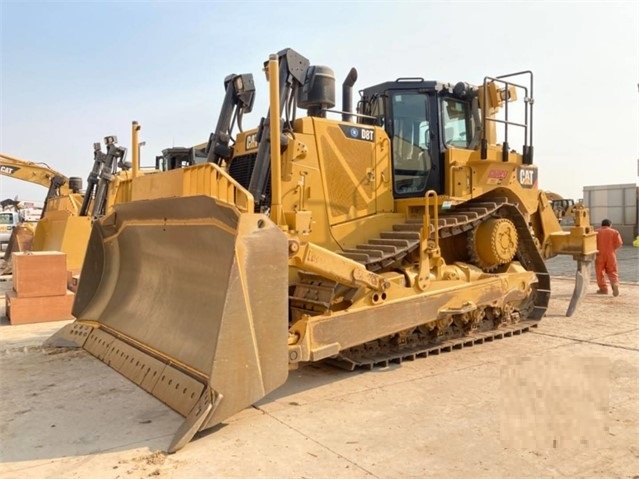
<point x="559" y="401"/>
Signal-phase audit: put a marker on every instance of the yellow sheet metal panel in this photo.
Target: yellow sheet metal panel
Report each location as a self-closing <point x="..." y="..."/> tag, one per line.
<point x="62" y="231"/>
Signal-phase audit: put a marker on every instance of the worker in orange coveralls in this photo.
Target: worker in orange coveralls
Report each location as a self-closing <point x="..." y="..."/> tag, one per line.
<point x="608" y="241"/>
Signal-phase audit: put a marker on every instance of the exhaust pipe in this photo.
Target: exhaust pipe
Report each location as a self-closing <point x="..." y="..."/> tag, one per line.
<point x="347" y="89"/>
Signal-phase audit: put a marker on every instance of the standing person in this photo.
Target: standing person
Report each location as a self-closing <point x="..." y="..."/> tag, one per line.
<point x="608" y="241"/>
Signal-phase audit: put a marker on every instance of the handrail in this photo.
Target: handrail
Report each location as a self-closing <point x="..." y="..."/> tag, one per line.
<point x="528" y="116"/>
<point x="221" y="187"/>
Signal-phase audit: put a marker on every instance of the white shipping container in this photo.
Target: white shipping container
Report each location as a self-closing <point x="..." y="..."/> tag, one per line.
<point x="618" y="203"/>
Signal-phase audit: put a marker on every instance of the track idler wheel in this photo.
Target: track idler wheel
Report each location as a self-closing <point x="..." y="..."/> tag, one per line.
<point x="493" y="243"/>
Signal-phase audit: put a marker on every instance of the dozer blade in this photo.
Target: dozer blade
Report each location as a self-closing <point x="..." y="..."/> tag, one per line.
<point x="187" y="298"/>
<point x="582" y="278"/>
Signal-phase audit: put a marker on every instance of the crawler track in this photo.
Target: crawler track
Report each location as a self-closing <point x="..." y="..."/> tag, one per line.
<point x="315" y="295"/>
<point x="350" y="359"/>
<point x="392" y="246"/>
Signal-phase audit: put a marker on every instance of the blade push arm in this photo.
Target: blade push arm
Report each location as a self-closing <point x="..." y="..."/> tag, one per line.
<point x="104" y="167"/>
<point x="292" y="70"/>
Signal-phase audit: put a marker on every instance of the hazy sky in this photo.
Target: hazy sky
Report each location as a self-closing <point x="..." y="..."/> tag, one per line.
<point x="74" y="72"/>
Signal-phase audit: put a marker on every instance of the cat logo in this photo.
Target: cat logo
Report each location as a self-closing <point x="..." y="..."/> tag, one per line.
<point x="251" y="141"/>
<point x="8" y="170"/>
<point x="527" y="177"/>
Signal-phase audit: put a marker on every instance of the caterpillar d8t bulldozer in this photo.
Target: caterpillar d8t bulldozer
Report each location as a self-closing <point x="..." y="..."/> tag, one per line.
<point x="384" y="233"/>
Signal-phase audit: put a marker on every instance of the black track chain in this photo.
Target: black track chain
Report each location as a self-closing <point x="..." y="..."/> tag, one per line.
<point x="350" y="360"/>
<point x="531" y="259"/>
<point x="392" y="246"/>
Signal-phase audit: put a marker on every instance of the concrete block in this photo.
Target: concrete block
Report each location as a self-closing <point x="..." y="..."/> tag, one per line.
<point x="38" y="309"/>
<point x="39" y="273"/>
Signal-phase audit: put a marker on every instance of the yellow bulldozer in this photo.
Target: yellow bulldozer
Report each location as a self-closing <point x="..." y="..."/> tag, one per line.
<point x="399" y="229"/>
<point x="563" y="208"/>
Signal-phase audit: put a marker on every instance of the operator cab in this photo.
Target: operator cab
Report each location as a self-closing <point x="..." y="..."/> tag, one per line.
<point x="422" y="119"/>
<point x="180" y="157"/>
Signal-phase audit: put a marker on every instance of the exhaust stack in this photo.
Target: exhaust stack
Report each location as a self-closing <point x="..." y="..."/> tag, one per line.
<point x="347" y="94"/>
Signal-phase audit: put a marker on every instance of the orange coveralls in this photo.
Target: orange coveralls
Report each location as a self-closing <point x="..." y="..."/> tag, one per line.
<point x="608" y="240"/>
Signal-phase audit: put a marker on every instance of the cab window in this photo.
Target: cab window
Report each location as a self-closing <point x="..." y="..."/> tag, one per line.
<point x="411" y="142"/>
<point x="456" y="123"/>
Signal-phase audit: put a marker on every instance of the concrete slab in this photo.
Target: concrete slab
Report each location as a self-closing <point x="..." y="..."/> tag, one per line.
<point x="13" y="337"/>
<point x="68" y="415"/>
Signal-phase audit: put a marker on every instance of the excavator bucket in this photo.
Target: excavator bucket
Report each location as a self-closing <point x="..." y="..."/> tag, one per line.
<point x="20" y="240"/>
<point x="188" y="298"/>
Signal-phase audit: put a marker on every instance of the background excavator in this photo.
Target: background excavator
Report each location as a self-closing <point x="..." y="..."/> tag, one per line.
<point x="42" y="174"/>
<point x="62" y="200"/>
<point x="398" y="230"/>
<point x="68" y="211"/>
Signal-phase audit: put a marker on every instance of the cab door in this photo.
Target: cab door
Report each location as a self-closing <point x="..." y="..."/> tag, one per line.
<point x="415" y="150"/>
